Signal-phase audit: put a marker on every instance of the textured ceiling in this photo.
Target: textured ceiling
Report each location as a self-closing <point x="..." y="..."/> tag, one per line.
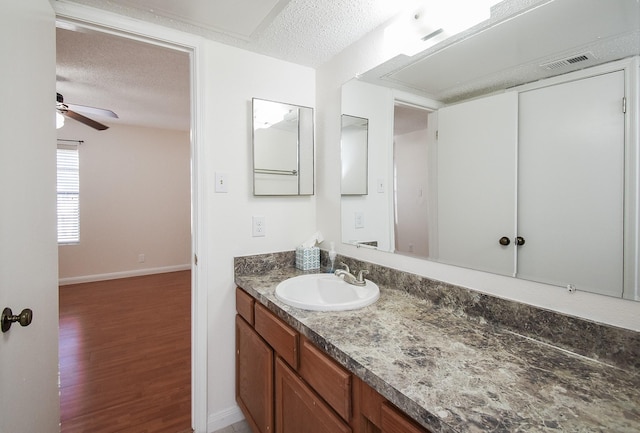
<point x="515" y="48"/>
<point x="148" y="85"/>
<point x="306" y="32"/>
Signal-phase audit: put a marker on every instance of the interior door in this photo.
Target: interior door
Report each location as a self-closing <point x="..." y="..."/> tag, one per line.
<point x="571" y="184"/>
<point x="28" y="244"/>
<point x="476" y="182"/>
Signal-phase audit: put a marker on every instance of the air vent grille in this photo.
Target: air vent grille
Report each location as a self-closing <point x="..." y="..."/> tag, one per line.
<point x="568" y="61"/>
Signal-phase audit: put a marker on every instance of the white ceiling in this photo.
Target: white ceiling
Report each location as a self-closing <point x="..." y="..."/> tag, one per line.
<point x="144" y="84"/>
<point x="517" y="48"/>
<point x="148" y="85"/>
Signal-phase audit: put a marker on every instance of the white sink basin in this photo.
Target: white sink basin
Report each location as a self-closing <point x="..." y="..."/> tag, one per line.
<point x="326" y="292"/>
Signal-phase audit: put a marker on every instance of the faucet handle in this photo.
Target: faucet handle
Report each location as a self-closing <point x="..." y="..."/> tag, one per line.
<point x="360" y="275"/>
<point x="346" y="267"/>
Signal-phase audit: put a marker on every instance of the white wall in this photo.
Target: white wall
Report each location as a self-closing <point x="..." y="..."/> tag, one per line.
<point x="355" y="60"/>
<point x="235" y="76"/>
<point x="135" y="198"/>
<point x="374" y="103"/>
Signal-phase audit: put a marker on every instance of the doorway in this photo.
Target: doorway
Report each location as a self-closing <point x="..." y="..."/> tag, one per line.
<point x="110" y="263"/>
<point x="413" y="169"/>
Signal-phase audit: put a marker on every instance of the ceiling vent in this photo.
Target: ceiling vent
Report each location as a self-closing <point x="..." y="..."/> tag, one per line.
<point x="568" y="61"/>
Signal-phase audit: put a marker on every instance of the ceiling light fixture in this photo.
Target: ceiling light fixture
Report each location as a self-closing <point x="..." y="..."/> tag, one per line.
<point x="428" y="24"/>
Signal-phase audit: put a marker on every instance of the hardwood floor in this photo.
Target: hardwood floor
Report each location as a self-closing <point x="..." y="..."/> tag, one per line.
<point x="125" y="355"/>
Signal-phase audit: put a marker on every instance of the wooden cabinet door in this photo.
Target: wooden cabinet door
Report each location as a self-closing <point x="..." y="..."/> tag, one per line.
<point x="254" y="377"/>
<point x="394" y="421"/>
<point x="299" y="409"/>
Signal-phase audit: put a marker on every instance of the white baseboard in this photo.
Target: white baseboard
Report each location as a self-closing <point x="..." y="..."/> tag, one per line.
<point x="123" y="274"/>
<point x="224" y="418"/>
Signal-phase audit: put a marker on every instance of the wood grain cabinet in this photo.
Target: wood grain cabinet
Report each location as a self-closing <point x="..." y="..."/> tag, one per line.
<point x="299" y="409"/>
<point x="254" y="377"/>
<point x="285" y="384"/>
<point x="377" y="415"/>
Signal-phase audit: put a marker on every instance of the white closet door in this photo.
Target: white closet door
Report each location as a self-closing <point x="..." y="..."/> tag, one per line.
<point x="571" y="184"/>
<point x="476" y="182"/>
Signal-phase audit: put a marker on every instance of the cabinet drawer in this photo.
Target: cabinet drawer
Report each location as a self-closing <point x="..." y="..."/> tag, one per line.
<point x="244" y="305"/>
<point x="326" y="377"/>
<point x="278" y="334"/>
<point x="394" y="421"/>
<point x="299" y="409"/>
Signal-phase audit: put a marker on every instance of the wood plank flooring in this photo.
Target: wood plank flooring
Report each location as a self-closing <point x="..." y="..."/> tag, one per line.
<point x="125" y="355"/>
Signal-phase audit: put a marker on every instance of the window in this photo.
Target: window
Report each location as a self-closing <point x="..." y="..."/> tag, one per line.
<point x="68" y="194"/>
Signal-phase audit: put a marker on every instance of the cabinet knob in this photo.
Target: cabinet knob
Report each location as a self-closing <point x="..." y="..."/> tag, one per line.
<point x="519" y="240"/>
<point x="504" y="241"/>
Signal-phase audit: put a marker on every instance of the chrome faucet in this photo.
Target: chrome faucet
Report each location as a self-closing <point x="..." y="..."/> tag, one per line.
<point x="348" y="277"/>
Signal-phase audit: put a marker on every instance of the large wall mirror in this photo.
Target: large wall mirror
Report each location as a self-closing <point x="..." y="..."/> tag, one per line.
<point x="512" y="148"/>
<point x="282" y="148"/>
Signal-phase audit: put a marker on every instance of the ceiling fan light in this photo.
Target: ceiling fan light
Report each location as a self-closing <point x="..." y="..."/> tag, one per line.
<point x="59" y="120"/>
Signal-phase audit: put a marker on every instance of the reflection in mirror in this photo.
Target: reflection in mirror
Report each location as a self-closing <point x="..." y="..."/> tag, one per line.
<point x="282" y="149"/>
<point x="414" y="173"/>
<point x="535" y="181"/>
<point x="353" y="155"/>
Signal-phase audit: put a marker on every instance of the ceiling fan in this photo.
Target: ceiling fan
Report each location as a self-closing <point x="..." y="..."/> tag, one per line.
<point x="72" y="111"/>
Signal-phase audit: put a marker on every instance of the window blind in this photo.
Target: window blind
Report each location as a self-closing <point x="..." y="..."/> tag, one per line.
<point x="68" y="194"/>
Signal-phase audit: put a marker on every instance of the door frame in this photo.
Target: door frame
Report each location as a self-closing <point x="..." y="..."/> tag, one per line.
<point x="110" y="23"/>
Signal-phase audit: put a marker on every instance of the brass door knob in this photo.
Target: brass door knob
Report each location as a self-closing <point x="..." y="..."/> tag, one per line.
<point x="24" y="318"/>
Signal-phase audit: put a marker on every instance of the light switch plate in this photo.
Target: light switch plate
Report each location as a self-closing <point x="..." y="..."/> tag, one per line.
<point x="221" y="182"/>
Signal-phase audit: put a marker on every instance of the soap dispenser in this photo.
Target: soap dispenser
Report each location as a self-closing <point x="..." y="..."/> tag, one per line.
<point x="332" y="258"/>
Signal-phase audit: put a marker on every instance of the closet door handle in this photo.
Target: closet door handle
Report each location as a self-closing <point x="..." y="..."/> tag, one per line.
<point x="519" y="240"/>
<point x="504" y="241"/>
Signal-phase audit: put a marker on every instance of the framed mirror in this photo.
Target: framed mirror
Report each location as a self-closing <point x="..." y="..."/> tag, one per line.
<point x="477" y="198"/>
<point x="354" y="155"/>
<point x="283" y="149"/>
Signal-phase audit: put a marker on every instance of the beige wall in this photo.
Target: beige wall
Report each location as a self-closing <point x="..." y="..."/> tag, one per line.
<point x="134" y="199"/>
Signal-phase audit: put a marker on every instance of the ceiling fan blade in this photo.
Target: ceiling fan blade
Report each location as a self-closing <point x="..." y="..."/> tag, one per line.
<point x="92" y="110"/>
<point x="82" y="119"/>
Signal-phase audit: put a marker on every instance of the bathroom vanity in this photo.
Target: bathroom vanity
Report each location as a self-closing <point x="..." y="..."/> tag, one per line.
<point x="426" y="357"/>
<point x="285" y="383"/>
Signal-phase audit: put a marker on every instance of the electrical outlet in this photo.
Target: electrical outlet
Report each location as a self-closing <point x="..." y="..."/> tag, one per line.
<point x="359" y="220"/>
<point x="259" y="226"/>
<point x="140" y="258"/>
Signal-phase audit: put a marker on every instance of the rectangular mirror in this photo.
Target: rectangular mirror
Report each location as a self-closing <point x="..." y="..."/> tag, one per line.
<point x="282" y="149"/>
<point x="529" y="170"/>
<point x="354" y="155"/>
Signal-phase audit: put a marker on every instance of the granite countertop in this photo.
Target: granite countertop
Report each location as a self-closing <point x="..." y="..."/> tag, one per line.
<point x="453" y="374"/>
